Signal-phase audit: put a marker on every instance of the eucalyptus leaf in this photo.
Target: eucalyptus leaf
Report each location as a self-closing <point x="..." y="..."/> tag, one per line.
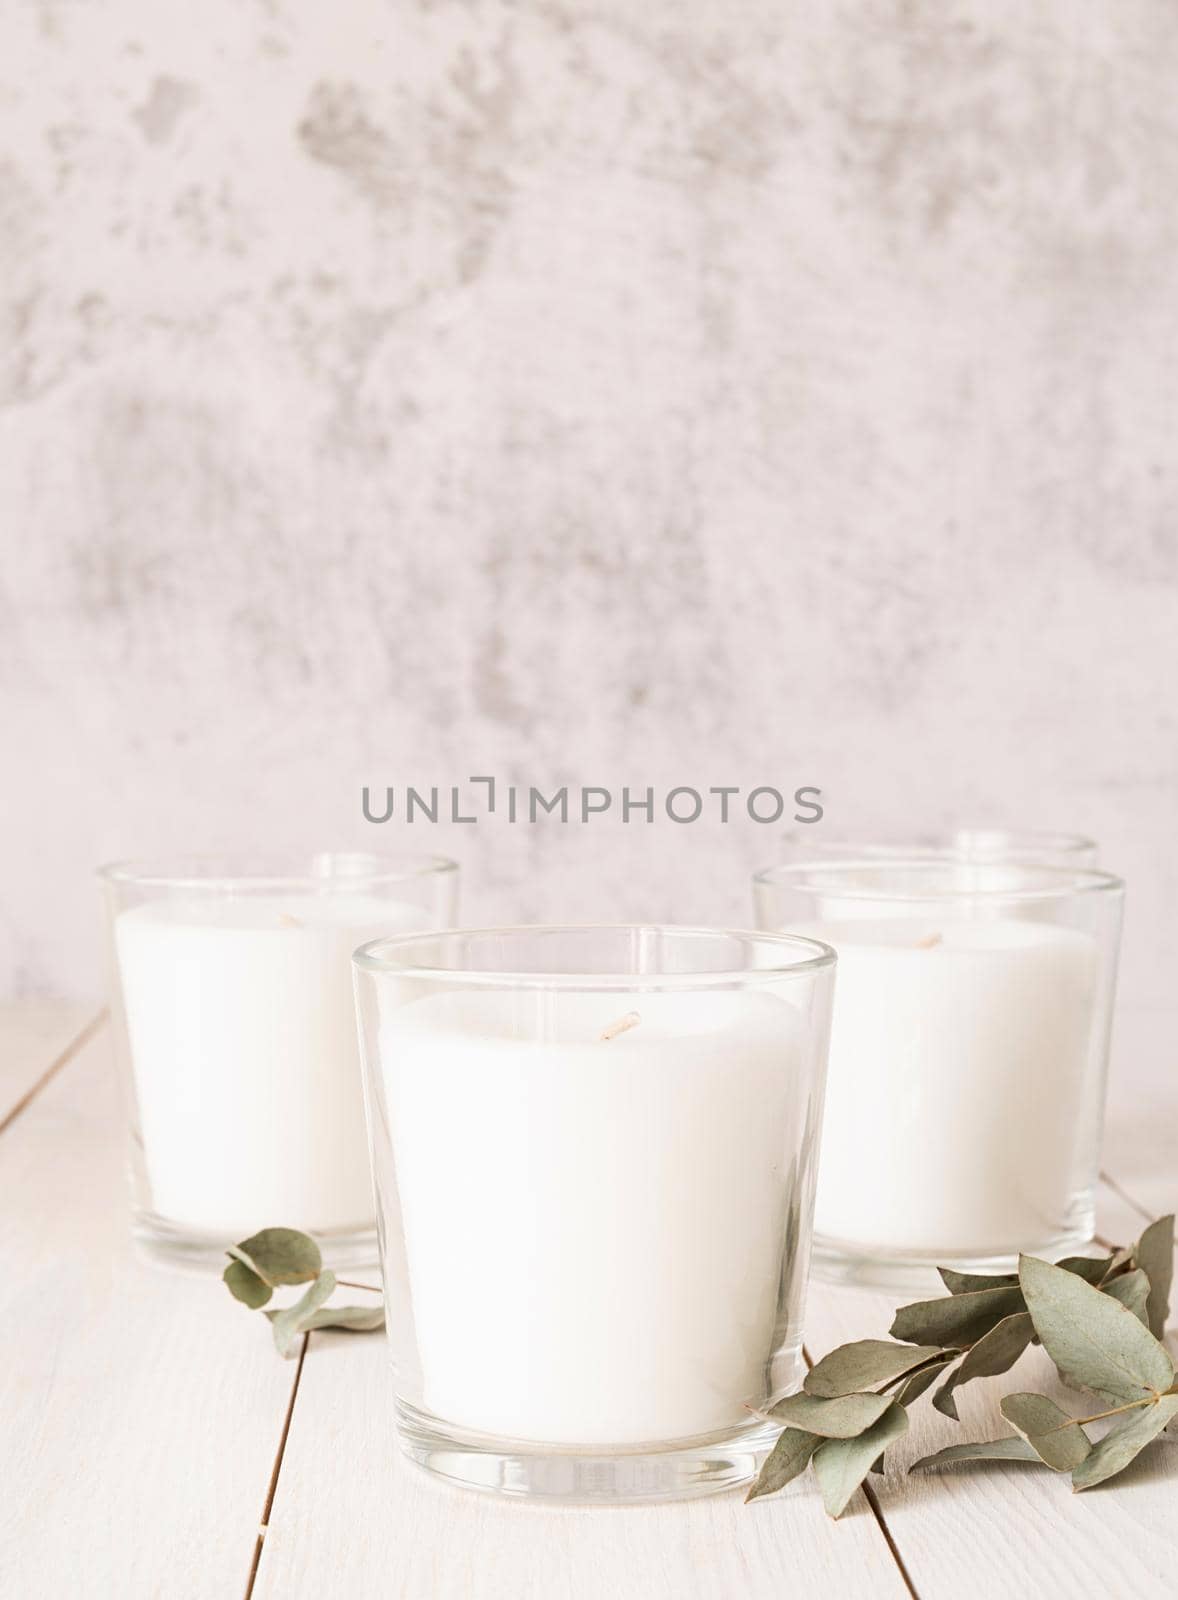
<point x="845" y="1417"/>
<point x="1122" y="1443"/>
<point x="958" y="1319"/>
<point x="841" y="1465"/>
<point x="291" y="1323"/>
<point x="969" y="1282"/>
<point x="1057" y="1439"/>
<point x="1155" y="1256"/>
<point x="352" y="1319"/>
<point x="943" y="1400"/>
<point x="866" y="1364"/>
<point x="1091" y="1337"/>
<point x="279" y="1255"/>
<point x="789" y="1457"/>
<point x="1132" y="1290"/>
<point x="998" y="1350"/>
<point x="923" y="1378"/>
<point x="1118" y="1261"/>
<point x="244" y="1284"/>
<point x="1091" y="1268"/>
<point x="995" y="1352"/>
<point x="1012" y="1449"/>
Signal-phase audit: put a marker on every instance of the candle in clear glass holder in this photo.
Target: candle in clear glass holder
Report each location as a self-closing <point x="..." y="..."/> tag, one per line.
<point x="235" y="1026"/>
<point x="968" y="1057"/>
<point x="593" y="1151"/>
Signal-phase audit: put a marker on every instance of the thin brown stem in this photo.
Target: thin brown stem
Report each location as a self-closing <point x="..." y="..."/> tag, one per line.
<point x="1078" y="1422"/>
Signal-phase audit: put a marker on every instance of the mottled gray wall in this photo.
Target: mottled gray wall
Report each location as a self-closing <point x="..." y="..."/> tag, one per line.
<point x="603" y="393"/>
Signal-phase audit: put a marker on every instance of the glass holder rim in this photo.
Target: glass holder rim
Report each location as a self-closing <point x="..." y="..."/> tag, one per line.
<point x="192" y="872"/>
<point x="1064" y="883"/>
<point x="818" y="956"/>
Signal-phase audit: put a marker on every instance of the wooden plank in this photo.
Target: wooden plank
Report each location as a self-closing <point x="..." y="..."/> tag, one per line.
<point x="1011" y="1530"/>
<point x="37" y="1038"/>
<point x="352" y="1517"/>
<point x="141" y="1408"/>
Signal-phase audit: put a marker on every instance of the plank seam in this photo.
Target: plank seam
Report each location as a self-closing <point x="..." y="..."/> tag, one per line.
<point x="55" y="1066"/>
<point x="877" y="1512"/>
<point x="1127" y="1198"/>
<point x="264" y="1525"/>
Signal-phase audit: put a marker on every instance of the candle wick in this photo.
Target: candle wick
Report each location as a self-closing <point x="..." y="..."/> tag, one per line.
<point x="622" y="1025"/>
<point x="929" y="942"/>
<point x="287" y="921"/>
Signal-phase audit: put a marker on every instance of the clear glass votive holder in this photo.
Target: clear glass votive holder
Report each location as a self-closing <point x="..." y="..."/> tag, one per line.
<point x="968" y="1057"/>
<point x="962" y="844"/>
<point x="235" y="1033"/>
<point x="594" y="1154"/>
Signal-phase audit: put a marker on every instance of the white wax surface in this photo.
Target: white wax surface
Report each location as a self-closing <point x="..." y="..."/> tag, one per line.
<point x="961" y="1102"/>
<point x="244" y="1054"/>
<point x="594" y="1230"/>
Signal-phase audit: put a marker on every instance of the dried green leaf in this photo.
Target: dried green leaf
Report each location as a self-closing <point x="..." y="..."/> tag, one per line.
<point x="789" y="1457"/>
<point x="1013" y="1449"/>
<point x="291" y="1323"/>
<point x="970" y="1282"/>
<point x="244" y="1284"/>
<point x="1118" y="1261"/>
<point x="866" y="1364"/>
<point x="958" y="1319"/>
<point x="996" y="1351"/>
<point x="843" y="1418"/>
<point x="1057" y="1439"/>
<point x="912" y="1388"/>
<point x="1122" y="1443"/>
<point x="943" y="1400"/>
<point x="1091" y="1268"/>
<point x="1132" y="1290"/>
<point x="841" y="1465"/>
<point x="1092" y="1339"/>
<point x="1154" y="1254"/>
<point x="351" y="1319"/>
<point x="279" y="1255"/>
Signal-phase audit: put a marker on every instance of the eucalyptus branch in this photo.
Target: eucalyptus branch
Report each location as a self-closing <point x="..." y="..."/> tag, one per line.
<point x="1100" y="1319"/>
<point x="278" y="1256"/>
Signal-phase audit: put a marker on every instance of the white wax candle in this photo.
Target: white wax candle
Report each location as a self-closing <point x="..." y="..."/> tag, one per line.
<point x="594" y="1229"/>
<point x="960" y="1108"/>
<point x="245" y="1061"/>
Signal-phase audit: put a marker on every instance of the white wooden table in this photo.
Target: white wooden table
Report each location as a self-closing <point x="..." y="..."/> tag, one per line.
<point x="148" y="1430"/>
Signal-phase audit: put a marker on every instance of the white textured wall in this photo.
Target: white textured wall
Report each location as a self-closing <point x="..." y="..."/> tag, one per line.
<point x="602" y="393"/>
